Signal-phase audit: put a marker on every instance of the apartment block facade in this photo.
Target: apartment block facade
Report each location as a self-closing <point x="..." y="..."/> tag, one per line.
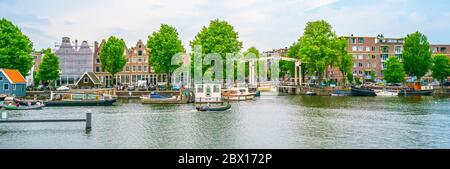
<point x="137" y="67"/>
<point x="370" y="55"/>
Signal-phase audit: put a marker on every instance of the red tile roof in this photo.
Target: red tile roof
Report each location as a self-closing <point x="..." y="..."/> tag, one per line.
<point x="13" y="75"/>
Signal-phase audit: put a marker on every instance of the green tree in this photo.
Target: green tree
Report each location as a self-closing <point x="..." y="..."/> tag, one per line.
<point x="394" y="72"/>
<point x="164" y="44"/>
<point x="350" y="78"/>
<point x="15" y="48"/>
<point x="49" y="68"/>
<point x="219" y="37"/>
<point x="441" y="68"/>
<point x="416" y="55"/>
<point x="319" y="47"/>
<point x="112" y="56"/>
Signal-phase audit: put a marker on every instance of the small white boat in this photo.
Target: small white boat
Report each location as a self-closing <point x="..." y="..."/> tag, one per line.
<point x="386" y="93"/>
<point x="237" y="94"/>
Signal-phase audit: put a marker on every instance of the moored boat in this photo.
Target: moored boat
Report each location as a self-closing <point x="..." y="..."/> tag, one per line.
<point x="386" y="93"/>
<point x="79" y="99"/>
<point x="156" y="98"/>
<point x="340" y="93"/>
<point x="415" y="93"/>
<point x="416" y="89"/>
<point x="237" y="94"/>
<point x="32" y="107"/>
<point x="362" y="92"/>
<point x="213" y="108"/>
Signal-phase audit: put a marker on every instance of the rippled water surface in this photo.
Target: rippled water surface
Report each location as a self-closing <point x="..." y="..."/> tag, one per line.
<point x="266" y="122"/>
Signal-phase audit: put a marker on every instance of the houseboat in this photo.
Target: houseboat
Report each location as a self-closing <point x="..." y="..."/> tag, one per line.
<point x="79" y="99"/>
<point x="208" y="93"/>
<point x="416" y="89"/>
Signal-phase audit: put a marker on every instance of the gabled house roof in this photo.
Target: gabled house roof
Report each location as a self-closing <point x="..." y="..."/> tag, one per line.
<point x="13" y="76"/>
<point x="91" y="76"/>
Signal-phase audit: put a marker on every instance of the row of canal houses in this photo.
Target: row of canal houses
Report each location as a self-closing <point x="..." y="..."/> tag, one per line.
<point x="80" y="66"/>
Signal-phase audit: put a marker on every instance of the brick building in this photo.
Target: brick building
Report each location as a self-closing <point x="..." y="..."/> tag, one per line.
<point x="136" y="69"/>
<point x="370" y="54"/>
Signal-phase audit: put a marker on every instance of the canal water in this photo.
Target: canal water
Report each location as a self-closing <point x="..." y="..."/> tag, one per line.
<point x="267" y="122"/>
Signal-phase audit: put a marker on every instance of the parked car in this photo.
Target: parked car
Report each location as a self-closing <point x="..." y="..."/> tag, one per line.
<point x="162" y="87"/>
<point x="152" y="87"/>
<point x="175" y="87"/>
<point x="42" y="88"/>
<point x="447" y="83"/>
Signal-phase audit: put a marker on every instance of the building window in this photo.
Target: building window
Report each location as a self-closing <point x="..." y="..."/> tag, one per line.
<point x="354" y="48"/>
<point x="97" y="60"/>
<point x="360" y="48"/>
<point x="353" y="41"/>
<point x="367" y="56"/>
<point x="360" y="64"/>
<point x="384" y="49"/>
<point x="1" y="78"/>
<point x="127" y="68"/>
<point x="360" y="56"/>
<point x="355" y="56"/>
<point x="145" y="69"/>
<point x="140" y="53"/>
<point x="140" y="59"/>
<point x="360" y="40"/>
<point x="373" y="57"/>
<point x="6" y="87"/>
<point x="374" y="48"/>
<point x="14" y="86"/>
<point x="384" y="57"/>
<point x="398" y="50"/>
<point x="86" y="80"/>
<point x="97" y="69"/>
<point x="134" y="68"/>
<point x="140" y="46"/>
<point x="367" y="49"/>
<point x="140" y="68"/>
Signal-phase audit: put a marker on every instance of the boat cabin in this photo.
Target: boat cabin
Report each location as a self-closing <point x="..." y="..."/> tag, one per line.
<point x="210" y="92"/>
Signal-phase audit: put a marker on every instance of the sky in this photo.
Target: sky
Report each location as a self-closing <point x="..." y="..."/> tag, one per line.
<point x="265" y="24"/>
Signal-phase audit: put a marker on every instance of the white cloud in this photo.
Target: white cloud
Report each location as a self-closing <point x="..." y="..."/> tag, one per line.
<point x="265" y="24"/>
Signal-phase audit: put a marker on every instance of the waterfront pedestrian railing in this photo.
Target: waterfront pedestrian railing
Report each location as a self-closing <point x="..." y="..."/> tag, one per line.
<point x="88" y="120"/>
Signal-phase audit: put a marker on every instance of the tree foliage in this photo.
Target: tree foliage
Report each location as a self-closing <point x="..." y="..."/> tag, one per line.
<point x="319" y="48"/>
<point x="394" y="72"/>
<point x="441" y="67"/>
<point x="49" y="67"/>
<point x="112" y="56"/>
<point x="164" y="44"/>
<point x="15" y="48"/>
<point x="416" y="55"/>
<point x="219" y="37"/>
